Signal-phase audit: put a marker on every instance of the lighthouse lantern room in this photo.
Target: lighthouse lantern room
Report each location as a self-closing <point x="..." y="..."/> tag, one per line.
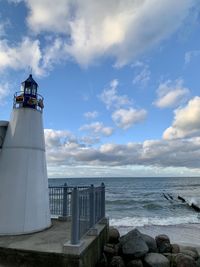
<point x="24" y="196"/>
<point x="28" y="96"/>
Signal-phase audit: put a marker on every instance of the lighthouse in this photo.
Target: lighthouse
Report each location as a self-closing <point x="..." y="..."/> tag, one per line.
<point x="24" y="196"/>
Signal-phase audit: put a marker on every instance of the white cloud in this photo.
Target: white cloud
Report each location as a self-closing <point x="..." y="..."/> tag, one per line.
<point x="110" y="97"/>
<point x="97" y="128"/>
<point x="4" y="91"/>
<point x="25" y="54"/>
<point x="91" y="114"/>
<point x="171" y="94"/>
<point x="186" y="121"/>
<point x="56" y="138"/>
<point x="150" y="153"/>
<point x="126" y="118"/>
<point x="53" y="53"/>
<point x="191" y="54"/>
<point x="90" y="140"/>
<point x="143" y="76"/>
<point x="122" y="30"/>
<point x="46" y="15"/>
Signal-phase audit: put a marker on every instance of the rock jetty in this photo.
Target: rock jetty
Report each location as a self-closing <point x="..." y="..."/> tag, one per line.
<point x="140" y="250"/>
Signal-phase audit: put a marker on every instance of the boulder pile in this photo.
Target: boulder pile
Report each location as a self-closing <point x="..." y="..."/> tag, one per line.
<point x="139" y="250"/>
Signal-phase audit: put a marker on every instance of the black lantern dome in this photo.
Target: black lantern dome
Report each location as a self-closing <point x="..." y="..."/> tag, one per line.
<point x="29" y="86"/>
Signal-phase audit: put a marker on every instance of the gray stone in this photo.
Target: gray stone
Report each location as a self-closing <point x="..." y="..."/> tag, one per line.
<point x="102" y="262"/>
<point x="109" y="249"/>
<point x="184" y="261"/>
<point x="133" y="245"/>
<point x="171" y="257"/>
<point x="198" y="263"/>
<point x="117" y="261"/>
<point x="151" y="243"/>
<point x="135" y="263"/>
<point x="190" y="253"/>
<point x="163" y="243"/>
<point x="175" y="248"/>
<point x="113" y="235"/>
<point x="156" y="260"/>
<point x="183" y="248"/>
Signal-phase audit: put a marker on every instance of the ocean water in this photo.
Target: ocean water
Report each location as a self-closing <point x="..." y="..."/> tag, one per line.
<point x="132" y="202"/>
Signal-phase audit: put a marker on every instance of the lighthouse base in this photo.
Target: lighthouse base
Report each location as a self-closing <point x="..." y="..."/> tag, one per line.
<point x="24" y="193"/>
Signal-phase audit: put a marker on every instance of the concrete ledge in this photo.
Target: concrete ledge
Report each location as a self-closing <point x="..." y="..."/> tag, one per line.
<point x="68" y="248"/>
<point x="93" y="232"/>
<point x="51" y="248"/>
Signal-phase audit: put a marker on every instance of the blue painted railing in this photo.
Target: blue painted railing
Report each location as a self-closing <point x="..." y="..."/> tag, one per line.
<point x="84" y="206"/>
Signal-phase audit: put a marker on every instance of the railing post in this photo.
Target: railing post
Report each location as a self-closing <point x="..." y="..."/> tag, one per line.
<point x="75" y="217"/>
<point x="102" y="200"/>
<point x="65" y="189"/>
<point x="92" y="205"/>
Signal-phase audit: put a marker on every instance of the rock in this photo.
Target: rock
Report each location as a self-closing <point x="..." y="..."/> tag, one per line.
<point x="198" y="263"/>
<point x="117" y="249"/>
<point x="117" y="261"/>
<point x="133" y="245"/>
<point x="112" y="249"/>
<point x="163" y="243"/>
<point x="109" y="249"/>
<point x="102" y="262"/>
<point x="151" y="243"/>
<point x="156" y="260"/>
<point x="190" y="253"/>
<point x="113" y="235"/>
<point x="135" y="263"/>
<point x="171" y="257"/>
<point x="182" y="248"/>
<point x="175" y="248"/>
<point x="184" y="261"/>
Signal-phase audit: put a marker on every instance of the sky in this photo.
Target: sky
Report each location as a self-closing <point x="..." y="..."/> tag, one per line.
<point x="120" y="79"/>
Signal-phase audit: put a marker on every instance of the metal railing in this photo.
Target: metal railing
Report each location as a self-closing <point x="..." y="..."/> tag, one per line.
<point x="84" y="205"/>
<point x="25" y="100"/>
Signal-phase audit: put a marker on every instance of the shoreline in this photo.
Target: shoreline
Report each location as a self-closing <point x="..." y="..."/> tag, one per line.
<point x="183" y="234"/>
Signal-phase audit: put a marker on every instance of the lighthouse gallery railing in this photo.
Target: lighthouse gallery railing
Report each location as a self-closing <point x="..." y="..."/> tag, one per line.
<point x="83" y="205"/>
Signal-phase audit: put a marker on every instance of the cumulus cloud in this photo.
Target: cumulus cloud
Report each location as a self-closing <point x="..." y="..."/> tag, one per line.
<point x="49" y="16"/>
<point x="171" y="94"/>
<point x="91" y="114"/>
<point x="57" y="138"/>
<point x="186" y="121"/>
<point x="25" y="54"/>
<point x="111" y="98"/>
<point x="94" y="29"/>
<point x="190" y="55"/>
<point x="126" y="118"/>
<point x="118" y="30"/>
<point x="150" y="153"/>
<point x="97" y="128"/>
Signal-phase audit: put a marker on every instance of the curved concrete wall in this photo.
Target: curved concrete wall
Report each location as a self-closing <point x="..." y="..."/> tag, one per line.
<point x="24" y="199"/>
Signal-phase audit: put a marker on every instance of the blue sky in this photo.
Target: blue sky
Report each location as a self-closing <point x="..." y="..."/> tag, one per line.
<point x="120" y="80"/>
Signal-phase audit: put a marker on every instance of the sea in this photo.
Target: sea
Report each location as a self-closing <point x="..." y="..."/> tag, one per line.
<point x="137" y="202"/>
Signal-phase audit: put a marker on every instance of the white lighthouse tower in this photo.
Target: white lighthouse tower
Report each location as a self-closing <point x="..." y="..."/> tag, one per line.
<point x="24" y="198"/>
